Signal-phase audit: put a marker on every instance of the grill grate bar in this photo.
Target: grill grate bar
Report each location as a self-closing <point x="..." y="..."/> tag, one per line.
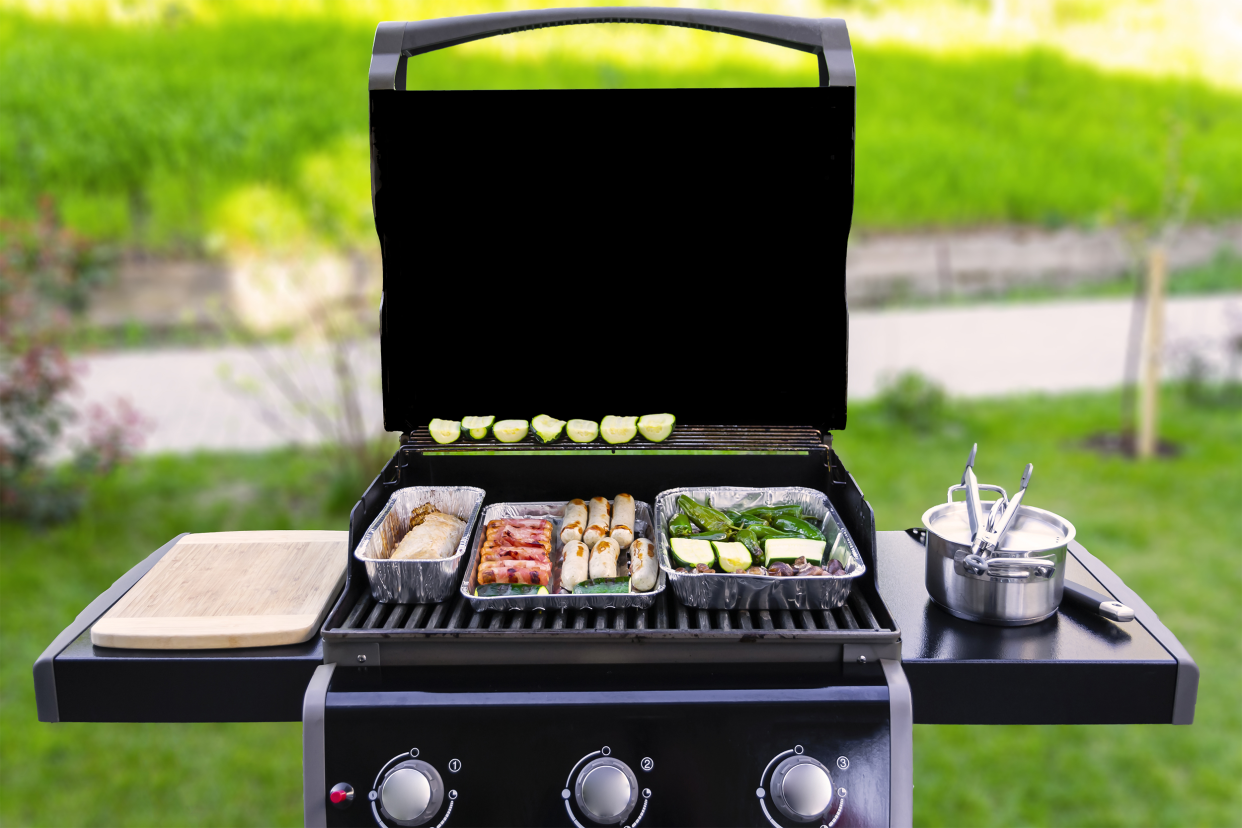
<point x="684" y="438"/>
<point x="436" y="615"/>
<point x="863" y="612"/>
<point x="416" y="616"/>
<point x="374" y="618"/>
<point x="667" y="613"/>
<point x="363" y="604"/>
<point x="397" y="616"/>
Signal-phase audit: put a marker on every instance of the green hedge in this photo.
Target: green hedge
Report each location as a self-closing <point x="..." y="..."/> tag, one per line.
<point x="252" y="129"/>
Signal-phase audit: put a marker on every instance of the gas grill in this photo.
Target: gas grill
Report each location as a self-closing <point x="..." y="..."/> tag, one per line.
<point x="599" y="252"/>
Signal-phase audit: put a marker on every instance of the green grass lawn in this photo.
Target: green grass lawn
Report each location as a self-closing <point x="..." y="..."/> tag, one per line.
<point x="1138" y="518"/>
<point x="249" y="128"/>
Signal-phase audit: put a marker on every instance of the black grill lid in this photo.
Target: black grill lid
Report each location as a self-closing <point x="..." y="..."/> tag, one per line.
<point x="590" y="252"/>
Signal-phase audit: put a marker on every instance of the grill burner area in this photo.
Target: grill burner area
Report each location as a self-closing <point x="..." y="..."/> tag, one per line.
<point x="667" y="614"/>
<point x="668" y="632"/>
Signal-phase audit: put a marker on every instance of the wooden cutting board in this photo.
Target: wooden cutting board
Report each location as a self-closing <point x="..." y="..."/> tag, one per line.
<point x="230" y="589"/>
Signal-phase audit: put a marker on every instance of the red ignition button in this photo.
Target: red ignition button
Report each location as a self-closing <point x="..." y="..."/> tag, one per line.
<point x="342" y="794"/>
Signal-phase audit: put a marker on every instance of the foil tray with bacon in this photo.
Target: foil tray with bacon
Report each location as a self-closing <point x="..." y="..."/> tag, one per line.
<point x="517" y="551"/>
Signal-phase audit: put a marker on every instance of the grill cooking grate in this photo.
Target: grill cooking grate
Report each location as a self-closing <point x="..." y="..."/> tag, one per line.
<point x="667" y="614"/>
<point x="705" y="438"/>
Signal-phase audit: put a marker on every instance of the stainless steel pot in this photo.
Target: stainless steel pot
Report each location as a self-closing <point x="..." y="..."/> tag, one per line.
<point x="1020" y="583"/>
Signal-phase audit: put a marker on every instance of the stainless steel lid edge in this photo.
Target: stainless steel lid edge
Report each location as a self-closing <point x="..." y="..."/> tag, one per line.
<point x="1024" y="510"/>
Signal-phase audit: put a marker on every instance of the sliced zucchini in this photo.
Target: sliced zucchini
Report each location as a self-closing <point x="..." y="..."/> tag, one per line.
<point x="510" y="431"/>
<point x="477" y="426"/>
<point x="445" y="431"/>
<point x="508" y="590"/>
<point x="598" y="586"/>
<point x="618" y="429"/>
<point x="656" y="427"/>
<point x="733" y="557"/>
<point x="547" y="429"/>
<point x="582" y="431"/>
<point x="790" y="549"/>
<point x="690" y="552"/>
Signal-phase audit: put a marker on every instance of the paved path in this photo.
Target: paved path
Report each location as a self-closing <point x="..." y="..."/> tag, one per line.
<point x="990" y="260"/>
<point x="880" y="267"/>
<point x="198" y="399"/>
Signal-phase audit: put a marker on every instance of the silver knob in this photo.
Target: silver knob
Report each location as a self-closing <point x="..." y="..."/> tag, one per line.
<point x="607" y="791"/>
<point x="411" y="793"/>
<point x="801" y="788"/>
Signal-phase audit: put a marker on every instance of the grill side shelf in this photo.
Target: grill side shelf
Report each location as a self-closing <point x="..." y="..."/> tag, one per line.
<point x="46" y="699"/>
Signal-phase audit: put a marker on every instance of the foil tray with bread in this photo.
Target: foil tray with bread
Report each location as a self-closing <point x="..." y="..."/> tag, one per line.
<point x="414" y="548"/>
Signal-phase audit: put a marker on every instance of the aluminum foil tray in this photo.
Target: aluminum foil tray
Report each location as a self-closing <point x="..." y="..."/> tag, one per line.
<point x="415" y="582"/>
<point x="729" y="591"/>
<point x="555" y="512"/>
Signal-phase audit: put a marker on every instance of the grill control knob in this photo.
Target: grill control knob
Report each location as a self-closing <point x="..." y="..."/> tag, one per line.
<point x="411" y="793"/>
<point x="606" y="790"/>
<point x="801" y="788"/>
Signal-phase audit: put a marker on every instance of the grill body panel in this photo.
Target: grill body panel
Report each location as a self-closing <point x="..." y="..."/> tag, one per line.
<point x="708" y="733"/>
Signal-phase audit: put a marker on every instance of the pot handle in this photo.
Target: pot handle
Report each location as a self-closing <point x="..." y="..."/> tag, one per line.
<point x="983" y="566"/>
<point x="961" y="487"/>
<point x="1093" y="601"/>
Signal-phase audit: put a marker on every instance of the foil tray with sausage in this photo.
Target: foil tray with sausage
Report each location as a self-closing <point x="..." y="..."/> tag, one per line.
<point x="580" y="538"/>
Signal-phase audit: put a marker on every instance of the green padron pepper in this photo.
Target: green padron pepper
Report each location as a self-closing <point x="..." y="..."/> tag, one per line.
<point x="772" y="512"/>
<point x="705" y="517"/>
<point x="797" y="526"/>
<point x="747" y="538"/>
<point x="716" y="536"/>
<point x="680" y="526"/>
<point x="766" y="533"/>
<point x="750" y="520"/>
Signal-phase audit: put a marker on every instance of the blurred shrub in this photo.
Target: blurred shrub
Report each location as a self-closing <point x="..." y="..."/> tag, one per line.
<point x="913" y="401"/>
<point x="46" y="273"/>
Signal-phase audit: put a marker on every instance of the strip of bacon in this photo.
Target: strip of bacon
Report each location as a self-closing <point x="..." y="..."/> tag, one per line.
<point x="492" y="544"/>
<point x="520" y="535"/>
<point x="516" y="553"/>
<point x="521" y="523"/>
<point x="515" y="572"/>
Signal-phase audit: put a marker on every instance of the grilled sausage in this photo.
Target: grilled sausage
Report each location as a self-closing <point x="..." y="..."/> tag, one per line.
<point x="643" y="567"/>
<point x="604" y="558"/>
<point x="622" y="520"/>
<point x="597" y="524"/>
<point x="575" y="522"/>
<point x="574" y="559"/>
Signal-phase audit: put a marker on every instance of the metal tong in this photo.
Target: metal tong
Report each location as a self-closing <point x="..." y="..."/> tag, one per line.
<point x="985" y="538"/>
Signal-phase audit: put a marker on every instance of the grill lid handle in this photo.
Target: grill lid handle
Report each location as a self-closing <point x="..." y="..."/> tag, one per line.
<point x="826" y="38"/>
